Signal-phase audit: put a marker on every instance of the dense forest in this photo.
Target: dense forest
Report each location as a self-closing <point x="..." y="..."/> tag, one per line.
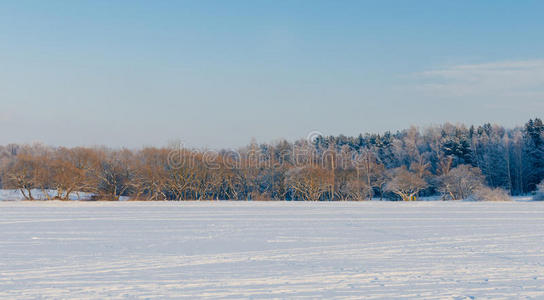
<point x="454" y="161"/>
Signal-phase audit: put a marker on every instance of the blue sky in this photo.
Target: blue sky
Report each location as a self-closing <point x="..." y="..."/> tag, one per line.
<point x="219" y="73"/>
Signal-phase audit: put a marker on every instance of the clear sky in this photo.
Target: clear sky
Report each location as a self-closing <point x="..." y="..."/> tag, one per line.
<point x="219" y="73"/>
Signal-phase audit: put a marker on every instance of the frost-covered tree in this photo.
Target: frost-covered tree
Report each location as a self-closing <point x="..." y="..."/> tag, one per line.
<point x="534" y="152"/>
<point x="21" y="174"/>
<point x="460" y="182"/>
<point x="539" y="195"/>
<point x="405" y="184"/>
<point x="308" y="183"/>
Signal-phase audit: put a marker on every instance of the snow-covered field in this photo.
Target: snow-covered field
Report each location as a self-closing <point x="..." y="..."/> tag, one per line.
<point x="161" y="250"/>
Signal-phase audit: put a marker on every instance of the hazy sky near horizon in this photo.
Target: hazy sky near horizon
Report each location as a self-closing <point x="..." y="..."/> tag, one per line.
<point x="219" y="73"/>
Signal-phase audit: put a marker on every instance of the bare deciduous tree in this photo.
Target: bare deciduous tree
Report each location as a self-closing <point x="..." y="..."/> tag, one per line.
<point x="20" y="174"/>
<point x="460" y="182"/>
<point x="406" y="184"/>
<point x="308" y="183"/>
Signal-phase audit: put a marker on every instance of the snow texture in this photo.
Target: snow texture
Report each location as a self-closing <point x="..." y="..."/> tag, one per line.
<point x="376" y="250"/>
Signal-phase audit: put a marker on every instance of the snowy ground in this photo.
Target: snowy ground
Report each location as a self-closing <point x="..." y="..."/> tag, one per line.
<point x="161" y="250"/>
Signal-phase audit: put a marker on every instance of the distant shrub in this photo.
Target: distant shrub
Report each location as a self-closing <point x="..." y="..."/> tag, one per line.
<point x="539" y="196"/>
<point x="484" y="193"/>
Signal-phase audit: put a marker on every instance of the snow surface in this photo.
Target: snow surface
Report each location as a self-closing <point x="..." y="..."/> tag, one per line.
<point x="161" y="250"/>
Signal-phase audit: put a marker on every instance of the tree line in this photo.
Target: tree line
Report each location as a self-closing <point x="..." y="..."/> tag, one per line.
<point x="454" y="161"/>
